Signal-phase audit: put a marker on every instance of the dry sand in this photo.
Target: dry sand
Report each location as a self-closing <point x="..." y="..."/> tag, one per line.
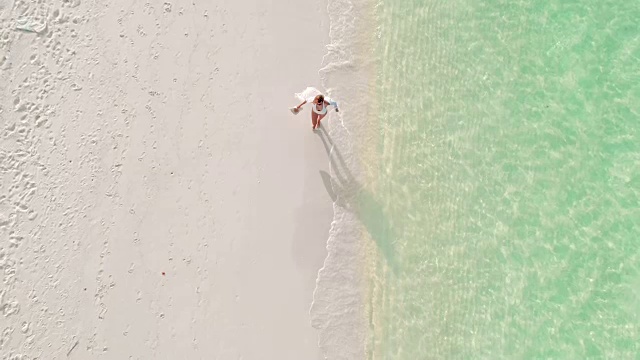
<point x="158" y="200"/>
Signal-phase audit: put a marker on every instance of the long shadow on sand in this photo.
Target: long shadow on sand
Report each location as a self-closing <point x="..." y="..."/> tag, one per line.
<point x="350" y="194"/>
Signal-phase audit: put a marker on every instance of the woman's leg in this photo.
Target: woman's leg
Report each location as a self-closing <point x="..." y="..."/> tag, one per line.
<point x="320" y="117"/>
<point x="314" y="120"/>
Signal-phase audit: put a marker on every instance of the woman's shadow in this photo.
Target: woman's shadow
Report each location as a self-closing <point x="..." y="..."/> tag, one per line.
<point x="348" y="193"/>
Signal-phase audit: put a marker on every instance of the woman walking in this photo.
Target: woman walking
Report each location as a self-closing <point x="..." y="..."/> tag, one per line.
<point x="319" y="104"/>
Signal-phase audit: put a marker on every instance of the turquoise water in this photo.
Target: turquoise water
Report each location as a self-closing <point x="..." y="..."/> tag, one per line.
<point x="509" y="176"/>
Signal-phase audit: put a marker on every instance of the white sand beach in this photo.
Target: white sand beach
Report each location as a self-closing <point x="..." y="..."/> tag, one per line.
<point x="157" y="198"/>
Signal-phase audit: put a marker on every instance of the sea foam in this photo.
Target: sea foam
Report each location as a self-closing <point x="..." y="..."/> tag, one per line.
<point x="339" y="302"/>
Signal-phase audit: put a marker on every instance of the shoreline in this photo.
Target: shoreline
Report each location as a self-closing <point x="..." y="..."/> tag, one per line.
<point x="341" y="305"/>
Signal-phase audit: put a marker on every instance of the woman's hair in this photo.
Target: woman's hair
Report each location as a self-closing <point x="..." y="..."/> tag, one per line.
<point x="319" y="99"/>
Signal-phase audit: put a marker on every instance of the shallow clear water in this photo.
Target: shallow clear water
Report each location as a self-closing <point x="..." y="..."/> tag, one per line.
<point x="508" y="180"/>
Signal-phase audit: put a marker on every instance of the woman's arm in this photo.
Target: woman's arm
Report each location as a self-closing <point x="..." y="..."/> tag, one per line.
<point x="299" y="106"/>
<point x="330" y="102"/>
